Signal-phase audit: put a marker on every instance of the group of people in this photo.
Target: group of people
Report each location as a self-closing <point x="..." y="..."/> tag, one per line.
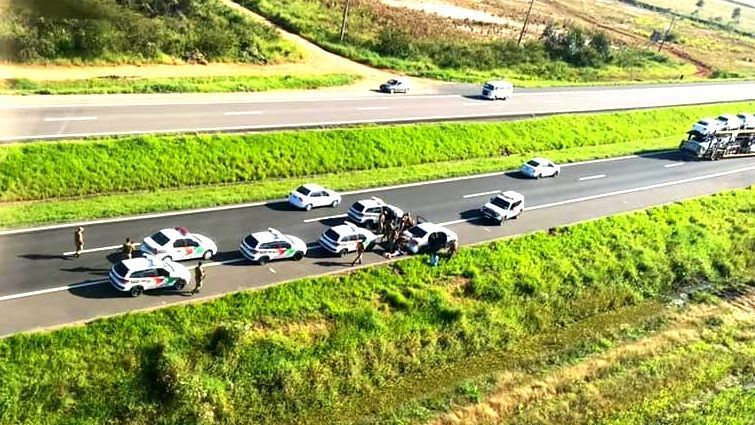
<point x="127" y="250"/>
<point x="392" y="228"/>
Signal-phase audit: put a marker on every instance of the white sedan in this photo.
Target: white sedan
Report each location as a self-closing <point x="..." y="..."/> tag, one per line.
<point x="428" y="236"/>
<point x="343" y="238"/>
<point x="137" y="275"/>
<point x="178" y="244"/>
<point x="540" y="167"/>
<point x="312" y="195"/>
<point x="262" y="247"/>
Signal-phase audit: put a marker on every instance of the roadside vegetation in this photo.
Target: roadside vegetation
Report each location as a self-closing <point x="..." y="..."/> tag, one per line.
<point x="110" y="85"/>
<point x="128" y="31"/>
<point x="60" y="181"/>
<point x="428" y="45"/>
<point x="358" y="347"/>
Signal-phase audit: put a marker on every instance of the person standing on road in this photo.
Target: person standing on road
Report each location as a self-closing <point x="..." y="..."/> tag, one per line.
<point x="453" y="248"/>
<point x="199" y="275"/>
<point x="381" y="222"/>
<point x="78" y="240"/>
<point x="360" y="252"/>
<point x="128" y="249"/>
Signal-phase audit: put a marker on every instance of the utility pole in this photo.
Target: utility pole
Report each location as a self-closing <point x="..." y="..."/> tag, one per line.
<point x="668" y="30"/>
<point x="343" y="21"/>
<point x="526" y="21"/>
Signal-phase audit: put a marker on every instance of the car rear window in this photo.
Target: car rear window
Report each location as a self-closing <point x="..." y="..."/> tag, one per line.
<point x="417" y="232"/>
<point x="702" y="122"/>
<point x="160" y="238"/>
<point x="249" y="240"/>
<point x="392" y="82"/>
<point x="121" y="269"/>
<point x="303" y="190"/>
<point x="488" y="87"/>
<point x="332" y="235"/>
<point x="723" y="118"/>
<point x="358" y="206"/>
<point x="501" y="203"/>
<point x="533" y="163"/>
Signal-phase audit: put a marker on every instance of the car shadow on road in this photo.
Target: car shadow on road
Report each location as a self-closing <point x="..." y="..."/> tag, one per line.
<point x="35" y="257"/>
<point x="281" y="206"/>
<point x="475" y="97"/>
<point x="518" y="175"/>
<point x="90" y="270"/>
<point x="476" y="218"/>
<point x="105" y="291"/>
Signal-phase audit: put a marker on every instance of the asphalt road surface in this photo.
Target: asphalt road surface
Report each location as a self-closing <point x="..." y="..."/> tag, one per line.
<point x="50" y="117"/>
<point x="41" y="287"/>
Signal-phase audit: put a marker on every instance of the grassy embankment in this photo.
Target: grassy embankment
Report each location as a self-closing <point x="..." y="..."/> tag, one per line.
<point x="175" y="85"/>
<point x="360" y="346"/>
<point x="142" y="174"/>
<point x="428" y="45"/>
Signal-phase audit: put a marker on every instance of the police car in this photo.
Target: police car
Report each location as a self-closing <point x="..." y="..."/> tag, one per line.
<point x="506" y="205"/>
<point x="312" y="195"/>
<point x="367" y="211"/>
<point x="540" y="167"/>
<point x="343" y="238"/>
<point x="178" y="244"/>
<point x="425" y="236"/>
<point x="140" y="274"/>
<point x="262" y="247"/>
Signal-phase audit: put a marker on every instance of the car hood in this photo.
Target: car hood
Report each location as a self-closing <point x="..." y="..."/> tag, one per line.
<point x="491" y="206"/>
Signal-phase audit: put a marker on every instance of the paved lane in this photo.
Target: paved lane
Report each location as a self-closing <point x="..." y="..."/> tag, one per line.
<point x="34" y="261"/>
<point x="34" y="120"/>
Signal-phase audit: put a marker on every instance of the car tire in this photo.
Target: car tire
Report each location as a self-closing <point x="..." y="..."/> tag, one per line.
<point x="180" y="285"/>
<point x="335" y="203"/>
<point x="556" y="173"/>
<point x="167" y="258"/>
<point x="207" y="255"/>
<point x="135" y="291"/>
<point x="298" y="256"/>
<point x="342" y="253"/>
<point x="262" y="261"/>
<point x="308" y="207"/>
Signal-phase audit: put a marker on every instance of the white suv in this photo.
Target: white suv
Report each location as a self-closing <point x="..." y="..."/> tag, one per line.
<point x="729" y="122"/>
<point x="506" y="205"/>
<point x="137" y="275"/>
<point x="262" y="247"/>
<point x="426" y="236"/>
<point x="312" y="195"/>
<point x="343" y="238"/>
<point x="367" y="211"/>
<point x="707" y="126"/>
<point x="748" y="120"/>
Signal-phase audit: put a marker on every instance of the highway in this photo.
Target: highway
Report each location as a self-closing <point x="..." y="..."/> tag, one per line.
<point x="51" y="117"/>
<point x="40" y="286"/>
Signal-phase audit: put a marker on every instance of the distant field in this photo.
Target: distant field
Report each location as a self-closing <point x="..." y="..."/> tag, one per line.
<point x="572" y="326"/>
<point x="135" y="31"/>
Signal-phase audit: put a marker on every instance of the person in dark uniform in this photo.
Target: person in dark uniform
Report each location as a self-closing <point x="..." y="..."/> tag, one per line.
<point x="78" y="240"/>
<point x="360" y="252"/>
<point x="199" y="276"/>
<point x="128" y="249"/>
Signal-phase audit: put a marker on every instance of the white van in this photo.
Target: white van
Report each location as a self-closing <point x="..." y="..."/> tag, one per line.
<point x="497" y="90"/>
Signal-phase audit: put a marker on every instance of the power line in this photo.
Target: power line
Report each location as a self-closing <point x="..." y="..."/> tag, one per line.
<point x="526" y="21"/>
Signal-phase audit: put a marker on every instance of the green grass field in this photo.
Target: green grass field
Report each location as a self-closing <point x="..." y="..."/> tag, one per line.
<point x="175" y="85"/>
<point x="355" y="347"/>
<point x="205" y="170"/>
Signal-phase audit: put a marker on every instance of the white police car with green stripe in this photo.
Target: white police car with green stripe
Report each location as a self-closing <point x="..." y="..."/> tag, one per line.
<point x="178" y="244"/>
<point x="262" y="247"/>
<point x="137" y="275"/>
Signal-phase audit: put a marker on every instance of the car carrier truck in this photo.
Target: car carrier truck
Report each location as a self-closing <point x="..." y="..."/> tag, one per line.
<point x="719" y="144"/>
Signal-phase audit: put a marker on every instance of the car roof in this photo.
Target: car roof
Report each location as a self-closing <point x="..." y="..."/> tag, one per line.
<point x="269" y="235"/>
<point x="172" y="233"/>
<point x="429" y="226"/>
<point x="512" y="196"/>
<point x="496" y="82"/>
<point x="372" y="202"/>
<point x="540" y="159"/>
<point x="347" y="229"/>
<point x="140" y="263"/>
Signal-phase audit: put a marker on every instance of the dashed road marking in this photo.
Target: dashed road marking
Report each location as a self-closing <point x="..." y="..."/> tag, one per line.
<point x="86" y="251"/>
<point x="473" y="195"/>
<point x="233" y="113"/>
<point x="595" y="177"/>
<point x="675" y="164"/>
<point x="55" y="119"/>
<point x="312" y="220"/>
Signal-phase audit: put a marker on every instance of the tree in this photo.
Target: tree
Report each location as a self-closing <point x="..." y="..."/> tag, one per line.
<point x="736" y="13"/>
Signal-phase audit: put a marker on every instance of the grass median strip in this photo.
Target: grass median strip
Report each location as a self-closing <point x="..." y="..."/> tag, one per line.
<point x="113" y="85"/>
<point x="341" y="349"/>
<point x="150" y="174"/>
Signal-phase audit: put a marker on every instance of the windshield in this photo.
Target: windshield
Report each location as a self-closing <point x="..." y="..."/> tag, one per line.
<point x="417" y="232"/>
<point x="121" y="269"/>
<point x="332" y="235"/>
<point x="702" y="122"/>
<point x="723" y="118"/>
<point x="392" y="82"/>
<point x="250" y="241"/>
<point x="533" y="163"/>
<point x="160" y="238"/>
<point x="488" y="87"/>
<point x="501" y="203"/>
<point x="358" y="206"/>
<point x="303" y="190"/>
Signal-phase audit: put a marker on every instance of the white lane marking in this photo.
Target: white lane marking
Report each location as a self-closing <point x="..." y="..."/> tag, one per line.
<point x="448" y="223"/>
<point x="261" y="203"/>
<point x="597" y="176"/>
<point x="53" y="119"/>
<point x="125" y="103"/>
<point x="312" y="220"/>
<point x="233" y="113"/>
<point x="100" y="282"/>
<point x="272" y="270"/>
<point x="473" y="195"/>
<point x="85" y="251"/>
<point x="615" y="193"/>
<point x="676" y="164"/>
<point x="372" y="108"/>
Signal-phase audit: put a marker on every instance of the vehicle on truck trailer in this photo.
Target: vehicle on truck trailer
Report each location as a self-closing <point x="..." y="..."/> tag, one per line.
<point x="719" y="144"/>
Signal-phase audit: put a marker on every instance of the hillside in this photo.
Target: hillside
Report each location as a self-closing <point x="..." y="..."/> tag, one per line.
<point x="121" y="31"/>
